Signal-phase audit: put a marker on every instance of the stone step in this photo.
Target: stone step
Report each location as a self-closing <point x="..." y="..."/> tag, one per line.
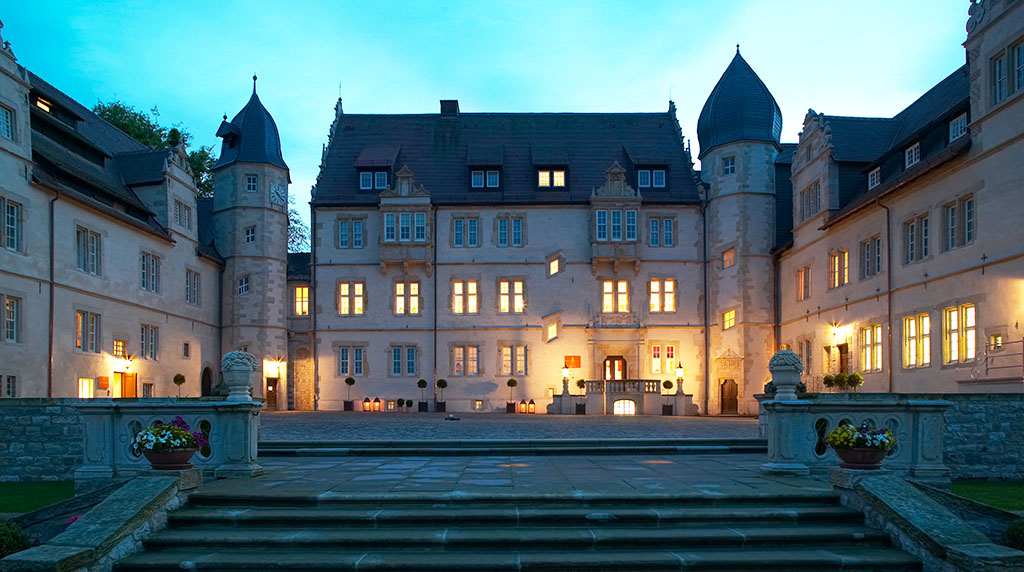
<point x="567" y="538"/>
<point x="825" y="559"/>
<point x="504" y="515"/>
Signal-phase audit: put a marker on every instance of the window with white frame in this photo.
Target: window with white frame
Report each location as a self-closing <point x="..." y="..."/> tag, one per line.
<point x="999" y="79"/>
<point x="728" y="165"/>
<point x="85" y="387"/>
<point x="517" y="232"/>
<point x="810" y="200"/>
<point x="149" y="337"/>
<point x="658" y="178"/>
<point x="958" y="334"/>
<point x="6" y="122"/>
<point x="654" y="232"/>
<point x="88" y="247"/>
<point x="663" y="359"/>
<point x="663" y="295"/>
<point x="871" y="257"/>
<point x="958" y="222"/>
<point x="389" y="227"/>
<point x="350" y="233"/>
<point x="510" y="232"/>
<point x="630" y="226"/>
<point x="477" y="179"/>
<point x="243" y="285"/>
<point x="511" y="297"/>
<point x="407" y="298"/>
<point x="912" y="155"/>
<point x="11" y="318"/>
<point x="728" y="319"/>
<point x="465" y="360"/>
<point x="915" y="239"/>
<point x="251" y="183"/>
<point x="493" y="179"/>
<point x="12" y="214"/>
<point x="351" y="298"/>
<point x="513" y="360"/>
<point x="465" y="232"/>
<point x="803" y="283"/>
<point x="182" y="214"/>
<point x="871" y="348"/>
<point x="838" y="268"/>
<point x="615" y="296"/>
<point x="419" y="227"/>
<point x="149" y="272"/>
<point x="875" y="177"/>
<point x="365" y="181"/>
<point x="1018" y="64"/>
<point x="404" y="227"/>
<point x="668" y="237"/>
<point x="464" y="297"/>
<point x="551" y="178"/>
<point x="601" y="225"/>
<point x="192" y="286"/>
<point x="917" y="341"/>
<point x="403" y="361"/>
<point x="502" y="232"/>
<point x="380" y="180"/>
<point x="350" y="361"/>
<point x="958" y="127"/>
<point x="623" y="225"/>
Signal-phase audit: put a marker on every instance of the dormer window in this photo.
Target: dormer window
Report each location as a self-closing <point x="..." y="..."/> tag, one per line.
<point x="912" y="155"/>
<point x="380" y="180"/>
<point x="480" y="179"/>
<point x="493" y="179"/>
<point x="365" y="181"/>
<point x="658" y="178"/>
<point x="958" y="127"/>
<point x="643" y="178"/>
<point x="370" y="180"/>
<point x="874" y="177"/>
<point x="551" y="178"/>
<point x="43" y="104"/>
<point x="647" y="178"/>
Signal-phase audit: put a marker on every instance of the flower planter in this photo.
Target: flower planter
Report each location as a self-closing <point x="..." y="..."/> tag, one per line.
<point x="348" y="406"/>
<point x="861" y="458"/>
<point x="440" y="407"/>
<point x="424" y="406"/>
<point x="510" y="407"/>
<point x="173" y="460"/>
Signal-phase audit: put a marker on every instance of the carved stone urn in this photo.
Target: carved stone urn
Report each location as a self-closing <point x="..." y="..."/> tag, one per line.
<point x="237" y="368"/>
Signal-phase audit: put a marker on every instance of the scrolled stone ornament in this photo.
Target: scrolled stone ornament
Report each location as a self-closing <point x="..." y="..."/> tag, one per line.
<point x="238" y="359"/>
<point x="785" y="358"/>
<point x="786" y="368"/>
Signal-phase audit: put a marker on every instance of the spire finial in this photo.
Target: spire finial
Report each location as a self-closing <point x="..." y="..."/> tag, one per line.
<point x="254" y="83"/>
<point x="225" y="117"/>
<point x="737" y="50"/>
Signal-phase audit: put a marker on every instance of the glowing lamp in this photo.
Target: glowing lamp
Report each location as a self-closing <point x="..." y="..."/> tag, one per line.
<point x="565" y="373"/>
<point x="531" y="406"/>
<point x="376" y="404"/>
<point x="680" y="372"/>
<point x="522" y="406"/>
<point x="366" y="405"/>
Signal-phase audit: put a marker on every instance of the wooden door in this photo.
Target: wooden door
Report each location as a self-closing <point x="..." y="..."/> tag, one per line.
<point x="730" y="397"/>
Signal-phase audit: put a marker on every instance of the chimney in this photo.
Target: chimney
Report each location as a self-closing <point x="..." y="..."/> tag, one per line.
<point x="449" y="107"/>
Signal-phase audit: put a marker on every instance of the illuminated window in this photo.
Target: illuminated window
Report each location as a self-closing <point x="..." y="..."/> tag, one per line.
<point x="615" y="296"/>
<point x="803" y="283"/>
<point x="728" y="258"/>
<point x="622" y="296"/>
<point x="464" y="297"/>
<point x="45" y="106"/>
<point x="912" y="155"/>
<point x="874" y="178"/>
<point x="85" y="388"/>
<point x="958" y="334"/>
<point x="11" y="318"/>
<point x="663" y="295"/>
<point x="728" y="165"/>
<point x="351" y="296"/>
<point x="995" y="342"/>
<point x="838" y="268"/>
<point x="557" y="178"/>
<point x="390" y="405"/>
<point x="150" y="338"/>
<point x="917" y="341"/>
<point x="120" y="349"/>
<point x="192" y="286"/>
<point x="243" y="285"/>
<point x="552" y="331"/>
<point x="87" y="331"/>
<point x="407" y="298"/>
<point x="728" y="319"/>
<point x="350" y="361"/>
<point x="88" y="247"/>
<point x="465" y="360"/>
<point x="6" y="122"/>
<point x="251" y="183"/>
<point x="302" y="300"/>
<point x="554" y="266"/>
<point x="663" y="359"/>
<point x="958" y="127"/>
<point x="12" y="221"/>
<point x="624" y="407"/>
<point x="511" y="297"/>
<point x="871" y="348"/>
<point x="548" y="178"/>
<point x="543" y="178"/>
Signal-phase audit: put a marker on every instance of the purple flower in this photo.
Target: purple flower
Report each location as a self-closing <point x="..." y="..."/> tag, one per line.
<point x="179" y="422"/>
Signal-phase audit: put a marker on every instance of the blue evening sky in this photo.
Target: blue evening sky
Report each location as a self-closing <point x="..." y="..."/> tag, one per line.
<point x="195" y="59"/>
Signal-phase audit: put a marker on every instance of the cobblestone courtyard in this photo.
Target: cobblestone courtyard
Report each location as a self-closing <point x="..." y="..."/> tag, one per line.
<point x="342" y="426"/>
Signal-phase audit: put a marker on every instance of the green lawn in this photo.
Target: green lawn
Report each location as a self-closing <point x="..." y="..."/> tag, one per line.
<point x="1007" y="495"/>
<point x="24" y="497"/>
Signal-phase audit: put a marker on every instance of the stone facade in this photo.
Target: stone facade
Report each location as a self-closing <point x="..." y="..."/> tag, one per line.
<point x="40" y="439"/>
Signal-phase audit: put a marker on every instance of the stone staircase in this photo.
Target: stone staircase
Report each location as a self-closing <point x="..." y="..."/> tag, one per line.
<point x="808" y="531"/>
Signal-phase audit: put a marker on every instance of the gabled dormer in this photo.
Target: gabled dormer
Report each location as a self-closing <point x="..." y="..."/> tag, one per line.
<point x="614" y="230"/>
<point x="406" y="223"/>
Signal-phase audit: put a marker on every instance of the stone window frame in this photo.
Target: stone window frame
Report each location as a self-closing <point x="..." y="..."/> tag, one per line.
<point x="411" y="211"/>
<point x="252" y="183"/>
<point x="916" y="238"/>
<point x="393" y="297"/>
<point x="552" y="319"/>
<point x="336" y="348"/>
<point x="350" y="230"/>
<point x="295" y="300"/>
<point x="804" y="282"/>
<point x="509" y="216"/>
<point x="661" y="231"/>
<point x="511" y="295"/>
<point x="149" y="271"/>
<point x="873" y="351"/>
<point x="465" y="218"/>
<point x="663" y="346"/>
<point x="661" y="281"/>
<point x="919" y="343"/>
<point x="21" y="205"/>
<point x="514" y="346"/>
<point x="553" y="257"/>
<point x="351" y="282"/>
<point x="615" y="295"/>
<point x="193" y="287"/>
<point x="149" y="342"/>
<point x="962" y="233"/>
<point x="958" y="304"/>
<point x="622" y="209"/>
<point x="404" y="347"/>
<point x="11" y="131"/>
<point x="90" y="231"/>
<point x="870" y="254"/>
<point x="465" y="279"/>
<point x="838" y="273"/>
<point x="728" y="165"/>
<point x="465" y="345"/>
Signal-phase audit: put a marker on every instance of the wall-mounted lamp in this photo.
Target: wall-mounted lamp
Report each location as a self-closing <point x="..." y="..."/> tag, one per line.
<point x="680" y="372"/>
<point x="565" y="373"/>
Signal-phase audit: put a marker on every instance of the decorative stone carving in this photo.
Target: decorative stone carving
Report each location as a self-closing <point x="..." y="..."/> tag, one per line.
<point x="238" y="359"/>
<point x="785" y="367"/>
<point x="237" y="368"/>
<point x="615" y="185"/>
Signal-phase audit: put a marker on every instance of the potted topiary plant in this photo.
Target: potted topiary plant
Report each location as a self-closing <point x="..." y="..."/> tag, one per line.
<point x="169" y="447"/>
<point x="510" y="407"/>
<point x="422" y="384"/>
<point x="854" y="380"/>
<point x="581" y="405"/>
<point x="408" y="405"/>
<point x="179" y="380"/>
<point x="400" y="404"/>
<point x="666" y="408"/>
<point x="829" y="381"/>
<point x="861" y="447"/>
<point x="347" y="404"/>
<point x="441" y="405"/>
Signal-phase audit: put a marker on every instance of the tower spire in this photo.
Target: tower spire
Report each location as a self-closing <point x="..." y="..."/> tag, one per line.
<point x="254" y="83"/>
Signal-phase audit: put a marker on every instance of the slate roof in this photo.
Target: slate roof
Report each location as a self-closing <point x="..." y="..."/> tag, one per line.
<point x="204" y="228"/>
<point x="947" y="95"/>
<point x="441" y="150"/>
<point x="298" y="266"/>
<point x="251" y="137"/>
<point x="861" y="139"/>
<point x="739" y="108"/>
<point x="143" y="167"/>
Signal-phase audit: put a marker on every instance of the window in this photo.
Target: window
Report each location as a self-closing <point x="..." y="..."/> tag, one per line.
<point x="552" y="331"/>
<point x="350" y="361"/>
<point x="88" y="249"/>
<point x="630" y="225"/>
<point x="548" y="178"/>
<point x="465" y="360"/>
<point x="147" y="390"/>
<point x="464" y="297"/>
<point x="302" y="300"/>
<point x="616" y="225"/>
<point x="513" y="360"/>
<point x="365" y="181"/>
<point x="958" y="334"/>
<point x="11" y="386"/>
<point x="668" y="232"/>
<point x="655" y="233"/>
<point x="464" y="232"/>
<point x="493" y="179"/>
<point x="615" y="296"/>
<point x="601" y="225"/>
<point x="810" y="200"/>
<point x="43" y="104"/>
<point x="915" y="239"/>
<point x="517" y="232"/>
<point x="728" y="319"/>
<point x="149" y="338"/>
<point x="663" y="295"/>
<point x="120" y="349"/>
<point x="998" y="79"/>
<point x="871" y="348"/>
<point x="806" y="351"/>
<point x="186" y="350"/>
<point x="87" y="331"/>
<point x="243" y="285"/>
<point x="12" y="224"/>
<point x="477" y="179"/>
<point x="803" y="283"/>
<point x="192" y="287"/>
<point x="182" y="214"/>
<point x="350" y="299"/>
<point x="420" y="227"/>
<point x="958" y="219"/>
<point x="12" y="319"/>
<point x="618" y="221"/>
<point x="149" y="272"/>
<point x="912" y="155"/>
<point x="543" y="178"/>
<point x="658" y="178"/>
<point x="917" y="341"/>
<point x="728" y="165"/>
<point x="511" y="297"/>
<point x="838" y="268"/>
<point x="871" y="257"/>
<point x="6" y="122"/>
<point x="643" y="178"/>
<point x="502" y="232"/>
<point x="251" y="183"/>
<point x="554" y="266"/>
<point x="874" y="177"/>
<point x="663" y="359"/>
<point x="380" y="180"/>
<point x="557" y="178"/>
<point x="407" y="298"/>
<point x="403" y="359"/>
<point x="85" y="387"/>
<point x="728" y="258"/>
<point x="958" y="127"/>
<point x="389" y="227"/>
<point x="1018" y="64"/>
<point x="404" y="227"/>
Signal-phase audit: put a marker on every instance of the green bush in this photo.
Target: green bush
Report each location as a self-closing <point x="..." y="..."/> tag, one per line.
<point x="1014" y="535"/>
<point x="12" y="538"/>
<point x="855" y="379"/>
<point x="829" y="381"/>
<point x="842" y="380"/>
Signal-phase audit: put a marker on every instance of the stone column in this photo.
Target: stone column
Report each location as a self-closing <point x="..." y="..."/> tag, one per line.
<point x="787" y="448"/>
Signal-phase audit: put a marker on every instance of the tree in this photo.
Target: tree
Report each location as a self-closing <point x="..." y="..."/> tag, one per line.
<point x="511" y="383"/>
<point x="350" y="381"/>
<point x="422" y="384"/>
<point x="441" y="384"/>
<point x="298" y="232"/>
<point x="179" y="380"/>
<point x="581" y="384"/>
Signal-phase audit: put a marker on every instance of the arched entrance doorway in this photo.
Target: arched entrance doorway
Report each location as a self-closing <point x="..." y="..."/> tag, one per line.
<point x="730" y="397"/>
<point x="624" y="407"/>
<point x="207" y="382"/>
<point x="614" y="368"/>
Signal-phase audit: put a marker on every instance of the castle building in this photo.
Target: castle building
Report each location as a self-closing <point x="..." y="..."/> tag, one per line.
<point x="548" y="248"/>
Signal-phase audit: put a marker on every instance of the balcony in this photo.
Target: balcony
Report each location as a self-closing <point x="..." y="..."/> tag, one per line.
<point x="406" y="255"/>
<point x="617" y="253"/>
<point x="627" y="386"/>
<point x="997" y="369"/>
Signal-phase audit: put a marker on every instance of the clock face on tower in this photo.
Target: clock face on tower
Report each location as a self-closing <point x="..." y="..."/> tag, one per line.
<point x="278" y="195"/>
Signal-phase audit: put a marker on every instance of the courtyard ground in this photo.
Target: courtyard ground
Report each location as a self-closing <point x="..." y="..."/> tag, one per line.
<point x="353" y="426"/>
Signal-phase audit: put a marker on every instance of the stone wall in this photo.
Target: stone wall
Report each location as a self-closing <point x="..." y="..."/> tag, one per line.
<point x="985" y="435"/>
<point x="40" y="439"/>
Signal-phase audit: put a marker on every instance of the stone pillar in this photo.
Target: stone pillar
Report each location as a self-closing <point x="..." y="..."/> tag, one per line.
<point x="787" y="446"/>
<point x="785" y="367"/>
<point x="237" y="368"/>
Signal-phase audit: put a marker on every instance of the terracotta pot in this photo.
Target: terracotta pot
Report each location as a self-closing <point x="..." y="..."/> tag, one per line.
<point x="174" y="460"/>
<point x="861" y="458"/>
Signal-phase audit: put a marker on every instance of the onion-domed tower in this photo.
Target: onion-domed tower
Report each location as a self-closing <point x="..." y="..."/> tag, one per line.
<point x="738" y="131"/>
